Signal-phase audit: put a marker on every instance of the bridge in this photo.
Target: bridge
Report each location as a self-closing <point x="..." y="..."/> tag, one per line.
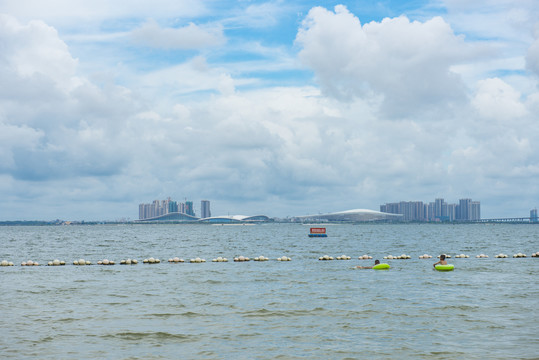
<point x="521" y="220"/>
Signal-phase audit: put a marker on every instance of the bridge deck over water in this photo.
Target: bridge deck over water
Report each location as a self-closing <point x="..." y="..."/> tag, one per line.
<point x="527" y="220"/>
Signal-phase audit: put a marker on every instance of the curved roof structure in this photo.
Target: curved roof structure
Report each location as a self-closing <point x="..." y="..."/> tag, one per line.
<point x="353" y="215"/>
<point x="235" y="219"/>
<point x="173" y="216"/>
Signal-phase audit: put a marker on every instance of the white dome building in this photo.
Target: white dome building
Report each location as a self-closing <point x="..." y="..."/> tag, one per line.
<point x="357" y="215"/>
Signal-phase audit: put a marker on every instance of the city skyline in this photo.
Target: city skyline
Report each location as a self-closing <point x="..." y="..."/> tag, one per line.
<point x="436" y="211"/>
<point x="281" y="108"/>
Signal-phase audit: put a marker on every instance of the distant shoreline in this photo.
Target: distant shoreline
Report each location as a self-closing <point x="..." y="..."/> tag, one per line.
<point x="79" y="223"/>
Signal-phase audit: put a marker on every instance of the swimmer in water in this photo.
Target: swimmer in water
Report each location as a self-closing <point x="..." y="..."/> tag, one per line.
<point x="441" y="262"/>
<point x="376" y="262"/>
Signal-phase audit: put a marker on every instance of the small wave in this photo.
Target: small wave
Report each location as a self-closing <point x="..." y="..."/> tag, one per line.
<point x="280" y="313"/>
<point x="155" y="335"/>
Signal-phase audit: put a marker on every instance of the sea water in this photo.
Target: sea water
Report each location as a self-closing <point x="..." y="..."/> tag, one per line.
<point x="298" y="309"/>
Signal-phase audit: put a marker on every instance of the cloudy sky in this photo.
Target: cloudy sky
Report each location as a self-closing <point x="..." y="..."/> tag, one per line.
<point x="266" y="107"/>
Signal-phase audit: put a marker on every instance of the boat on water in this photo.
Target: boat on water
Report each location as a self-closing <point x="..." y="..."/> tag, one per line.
<point x="317" y="232"/>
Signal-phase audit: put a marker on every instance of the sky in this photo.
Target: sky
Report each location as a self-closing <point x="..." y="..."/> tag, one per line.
<point x="281" y="108"/>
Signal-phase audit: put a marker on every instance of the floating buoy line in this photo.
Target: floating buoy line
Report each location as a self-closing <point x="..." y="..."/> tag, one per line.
<point x="197" y="260"/>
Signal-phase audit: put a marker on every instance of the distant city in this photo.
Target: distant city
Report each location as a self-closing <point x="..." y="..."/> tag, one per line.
<point x="170" y="211"/>
<point x="163" y="209"/>
<point x="437" y="211"/>
<point x="173" y="211"/>
<point x="466" y="210"/>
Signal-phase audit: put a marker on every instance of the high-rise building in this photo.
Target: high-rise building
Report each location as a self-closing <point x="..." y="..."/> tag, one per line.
<point x="533" y="215"/>
<point x="205" y="209"/>
<point x="464" y="209"/>
<point x="411" y="210"/>
<point x="430" y="212"/>
<point x="157" y="208"/>
<point x="476" y="211"/>
<point x="189" y="209"/>
<point x="451" y="212"/>
<point x="438" y="210"/>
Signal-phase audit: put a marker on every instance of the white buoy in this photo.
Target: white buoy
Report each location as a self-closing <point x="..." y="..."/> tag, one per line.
<point x="5" y="263"/>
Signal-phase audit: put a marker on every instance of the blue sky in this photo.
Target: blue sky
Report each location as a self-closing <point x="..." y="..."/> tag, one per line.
<point x="276" y="107"/>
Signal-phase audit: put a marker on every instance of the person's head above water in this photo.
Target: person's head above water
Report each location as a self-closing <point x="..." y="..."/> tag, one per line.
<point x="442" y="257"/>
<point x="376" y="262"/>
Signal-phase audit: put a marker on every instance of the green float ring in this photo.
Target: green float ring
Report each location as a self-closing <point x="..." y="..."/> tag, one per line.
<point x="448" y="267"/>
<point x="381" y="267"/>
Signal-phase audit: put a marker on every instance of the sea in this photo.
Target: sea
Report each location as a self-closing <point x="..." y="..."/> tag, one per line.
<point x="299" y="309"/>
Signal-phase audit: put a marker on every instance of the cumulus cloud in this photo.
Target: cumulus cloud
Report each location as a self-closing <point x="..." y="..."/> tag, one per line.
<point x="191" y="129"/>
<point x="56" y="124"/>
<point x="497" y="100"/>
<point x="407" y="63"/>
<point x="188" y="37"/>
<point x="34" y="49"/>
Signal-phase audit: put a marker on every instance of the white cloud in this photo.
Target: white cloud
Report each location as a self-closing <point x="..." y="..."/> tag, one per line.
<point x="34" y="49"/>
<point x="497" y="100"/>
<point x="408" y="63"/>
<point x="187" y="78"/>
<point x="73" y="12"/>
<point x="188" y="37"/>
<point x="191" y="129"/>
<point x="262" y="15"/>
<point x="505" y="21"/>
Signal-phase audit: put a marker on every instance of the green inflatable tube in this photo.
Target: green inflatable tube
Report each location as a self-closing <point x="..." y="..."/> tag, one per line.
<point x="448" y="267"/>
<point x="381" y="267"/>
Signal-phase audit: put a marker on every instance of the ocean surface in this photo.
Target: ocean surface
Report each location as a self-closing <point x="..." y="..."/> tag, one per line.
<point x="298" y="309"/>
